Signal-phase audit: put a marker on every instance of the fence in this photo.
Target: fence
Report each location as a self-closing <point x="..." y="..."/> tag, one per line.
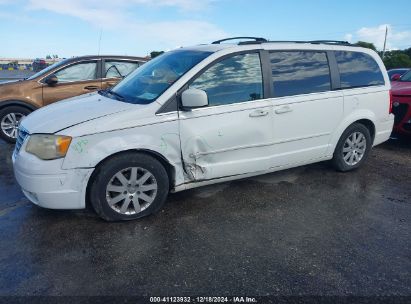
<point x="16" y="67"/>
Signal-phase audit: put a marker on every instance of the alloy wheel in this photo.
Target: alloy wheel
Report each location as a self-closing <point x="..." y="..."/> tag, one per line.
<point x="10" y="124"/>
<point x="354" y="148"/>
<point x="131" y="190"/>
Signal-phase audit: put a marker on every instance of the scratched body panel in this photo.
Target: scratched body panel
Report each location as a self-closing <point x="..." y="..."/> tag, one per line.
<point x="224" y="141"/>
<point x="88" y="151"/>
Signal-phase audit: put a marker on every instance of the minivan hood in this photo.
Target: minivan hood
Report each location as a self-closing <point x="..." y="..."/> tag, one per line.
<point x="70" y="112"/>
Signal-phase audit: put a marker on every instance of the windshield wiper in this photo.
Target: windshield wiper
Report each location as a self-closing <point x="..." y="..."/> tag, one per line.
<point x="120" y="97"/>
<point x="108" y="91"/>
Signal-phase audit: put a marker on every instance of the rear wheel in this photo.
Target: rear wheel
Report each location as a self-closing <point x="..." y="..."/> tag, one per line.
<point x="10" y="118"/>
<point x="129" y="186"/>
<point x="352" y="148"/>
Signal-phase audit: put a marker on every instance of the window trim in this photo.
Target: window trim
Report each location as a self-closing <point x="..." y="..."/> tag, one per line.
<point x="334" y="79"/>
<point x="199" y="73"/>
<point x="360" y="86"/>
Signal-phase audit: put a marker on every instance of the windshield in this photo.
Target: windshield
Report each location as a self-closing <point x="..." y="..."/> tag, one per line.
<point x="48" y="69"/>
<point x="406" y="76"/>
<point x="150" y="80"/>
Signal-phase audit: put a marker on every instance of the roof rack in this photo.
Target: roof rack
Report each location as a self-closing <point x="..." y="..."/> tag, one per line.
<point x="259" y="40"/>
<point x="330" y="42"/>
<point x="337" y="42"/>
<point x="256" y="39"/>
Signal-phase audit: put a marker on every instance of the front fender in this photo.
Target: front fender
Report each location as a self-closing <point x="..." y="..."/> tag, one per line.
<point x="162" y="138"/>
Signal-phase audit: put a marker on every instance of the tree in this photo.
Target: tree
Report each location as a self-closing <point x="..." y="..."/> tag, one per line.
<point x="397" y="59"/>
<point x="154" y="54"/>
<point x="408" y="52"/>
<point x="48" y="57"/>
<point x="367" y="45"/>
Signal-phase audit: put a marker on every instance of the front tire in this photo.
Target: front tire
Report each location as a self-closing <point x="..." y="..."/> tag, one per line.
<point x="352" y="148"/>
<point x="10" y="118"/>
<point x="129" y="186"/>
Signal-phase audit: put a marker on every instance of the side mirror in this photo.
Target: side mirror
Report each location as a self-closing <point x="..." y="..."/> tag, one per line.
<point x="395" y="77"/>
<point x="194" y="98"/>
<point x="51" y="80"/>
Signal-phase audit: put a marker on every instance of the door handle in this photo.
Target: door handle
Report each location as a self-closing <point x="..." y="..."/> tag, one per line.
<point x="283" y="109"/>
<point x="258" y="113"/>
<point x="92" y="87"/>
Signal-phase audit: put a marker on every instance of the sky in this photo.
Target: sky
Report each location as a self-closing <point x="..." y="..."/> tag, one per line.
<point x="36" y="28"/>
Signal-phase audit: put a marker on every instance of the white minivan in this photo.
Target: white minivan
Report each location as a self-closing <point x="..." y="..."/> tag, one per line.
<point x="201" y="115"/>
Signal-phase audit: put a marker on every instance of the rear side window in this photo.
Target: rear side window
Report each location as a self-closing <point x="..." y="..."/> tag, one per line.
<point x="299" y="72"/>
<point x="235" y="79"/>
<point x="358" y="70"/>
<point x="118" y="69"/>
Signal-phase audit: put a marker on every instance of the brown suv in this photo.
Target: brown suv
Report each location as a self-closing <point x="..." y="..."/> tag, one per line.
<point x="64" y="79"/>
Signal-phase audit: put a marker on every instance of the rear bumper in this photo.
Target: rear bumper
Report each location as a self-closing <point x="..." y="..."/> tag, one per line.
<point x="51" y="187"/>
<point x="384" y="130"/>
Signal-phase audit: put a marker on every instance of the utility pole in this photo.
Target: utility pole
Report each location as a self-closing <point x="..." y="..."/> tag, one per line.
<point x="385" y="41"/>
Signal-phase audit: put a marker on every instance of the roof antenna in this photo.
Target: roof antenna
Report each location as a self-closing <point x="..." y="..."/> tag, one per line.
<point x="99" y="41"/>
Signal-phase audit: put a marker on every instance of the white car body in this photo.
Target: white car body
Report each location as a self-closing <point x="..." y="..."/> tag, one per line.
<point x="204" y="145"/>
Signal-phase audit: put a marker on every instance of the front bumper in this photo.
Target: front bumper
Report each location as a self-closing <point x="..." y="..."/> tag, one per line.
<point x="45" y="184"/>
<point x="402" y="111"/>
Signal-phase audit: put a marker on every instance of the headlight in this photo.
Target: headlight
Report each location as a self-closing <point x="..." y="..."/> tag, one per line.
<point x="48" y="146"/>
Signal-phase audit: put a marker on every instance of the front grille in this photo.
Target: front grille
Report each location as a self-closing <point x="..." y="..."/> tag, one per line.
<point x="399" y="111"/>
<point x="21" y="137"/>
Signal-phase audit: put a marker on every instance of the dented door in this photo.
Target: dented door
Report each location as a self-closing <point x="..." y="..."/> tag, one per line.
<point x="233" y="135"/>
<point x="227" y="140"/>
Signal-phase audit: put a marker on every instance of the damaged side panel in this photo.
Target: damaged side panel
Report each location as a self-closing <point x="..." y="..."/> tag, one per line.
<point x="226" y="141"/>
<point x="161" y="138"/>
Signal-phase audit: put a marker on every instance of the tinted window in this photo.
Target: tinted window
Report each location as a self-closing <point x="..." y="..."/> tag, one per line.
<point x="299" y="72"/>
<point x="235" y="79"/>
<point x="358" y="70"/>
<point x="78" y="72"/>
<point x="406" y="77"/>
<point x="397" y="71"/>
<point x="117" y="69"/>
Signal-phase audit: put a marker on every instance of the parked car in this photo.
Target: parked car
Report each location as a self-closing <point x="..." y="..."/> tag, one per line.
<point x="202" y="115"/>
<point x="64" y="79"/>
<point x="395" y="74"/>
<point x="39" y="64"/>
<point x="401" y="91"/>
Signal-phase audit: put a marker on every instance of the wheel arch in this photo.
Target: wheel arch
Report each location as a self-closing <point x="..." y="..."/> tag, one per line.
<point x="10" y="103"/>
<point x="370" y="126"/>
<point x="170" y="169"/>
<point x="366" y="118"/>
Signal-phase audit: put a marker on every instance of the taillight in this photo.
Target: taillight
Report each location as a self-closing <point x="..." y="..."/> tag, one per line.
<point x="390" y="109"/>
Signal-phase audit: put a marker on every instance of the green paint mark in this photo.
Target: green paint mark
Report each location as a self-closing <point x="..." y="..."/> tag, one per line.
<point x="80" y="146"/>
<point x="163" y="142"/>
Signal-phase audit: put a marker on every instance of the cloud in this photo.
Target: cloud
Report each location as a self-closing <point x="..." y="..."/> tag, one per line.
<point x="116" y="15"/>
<point x="395" y="39"/>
